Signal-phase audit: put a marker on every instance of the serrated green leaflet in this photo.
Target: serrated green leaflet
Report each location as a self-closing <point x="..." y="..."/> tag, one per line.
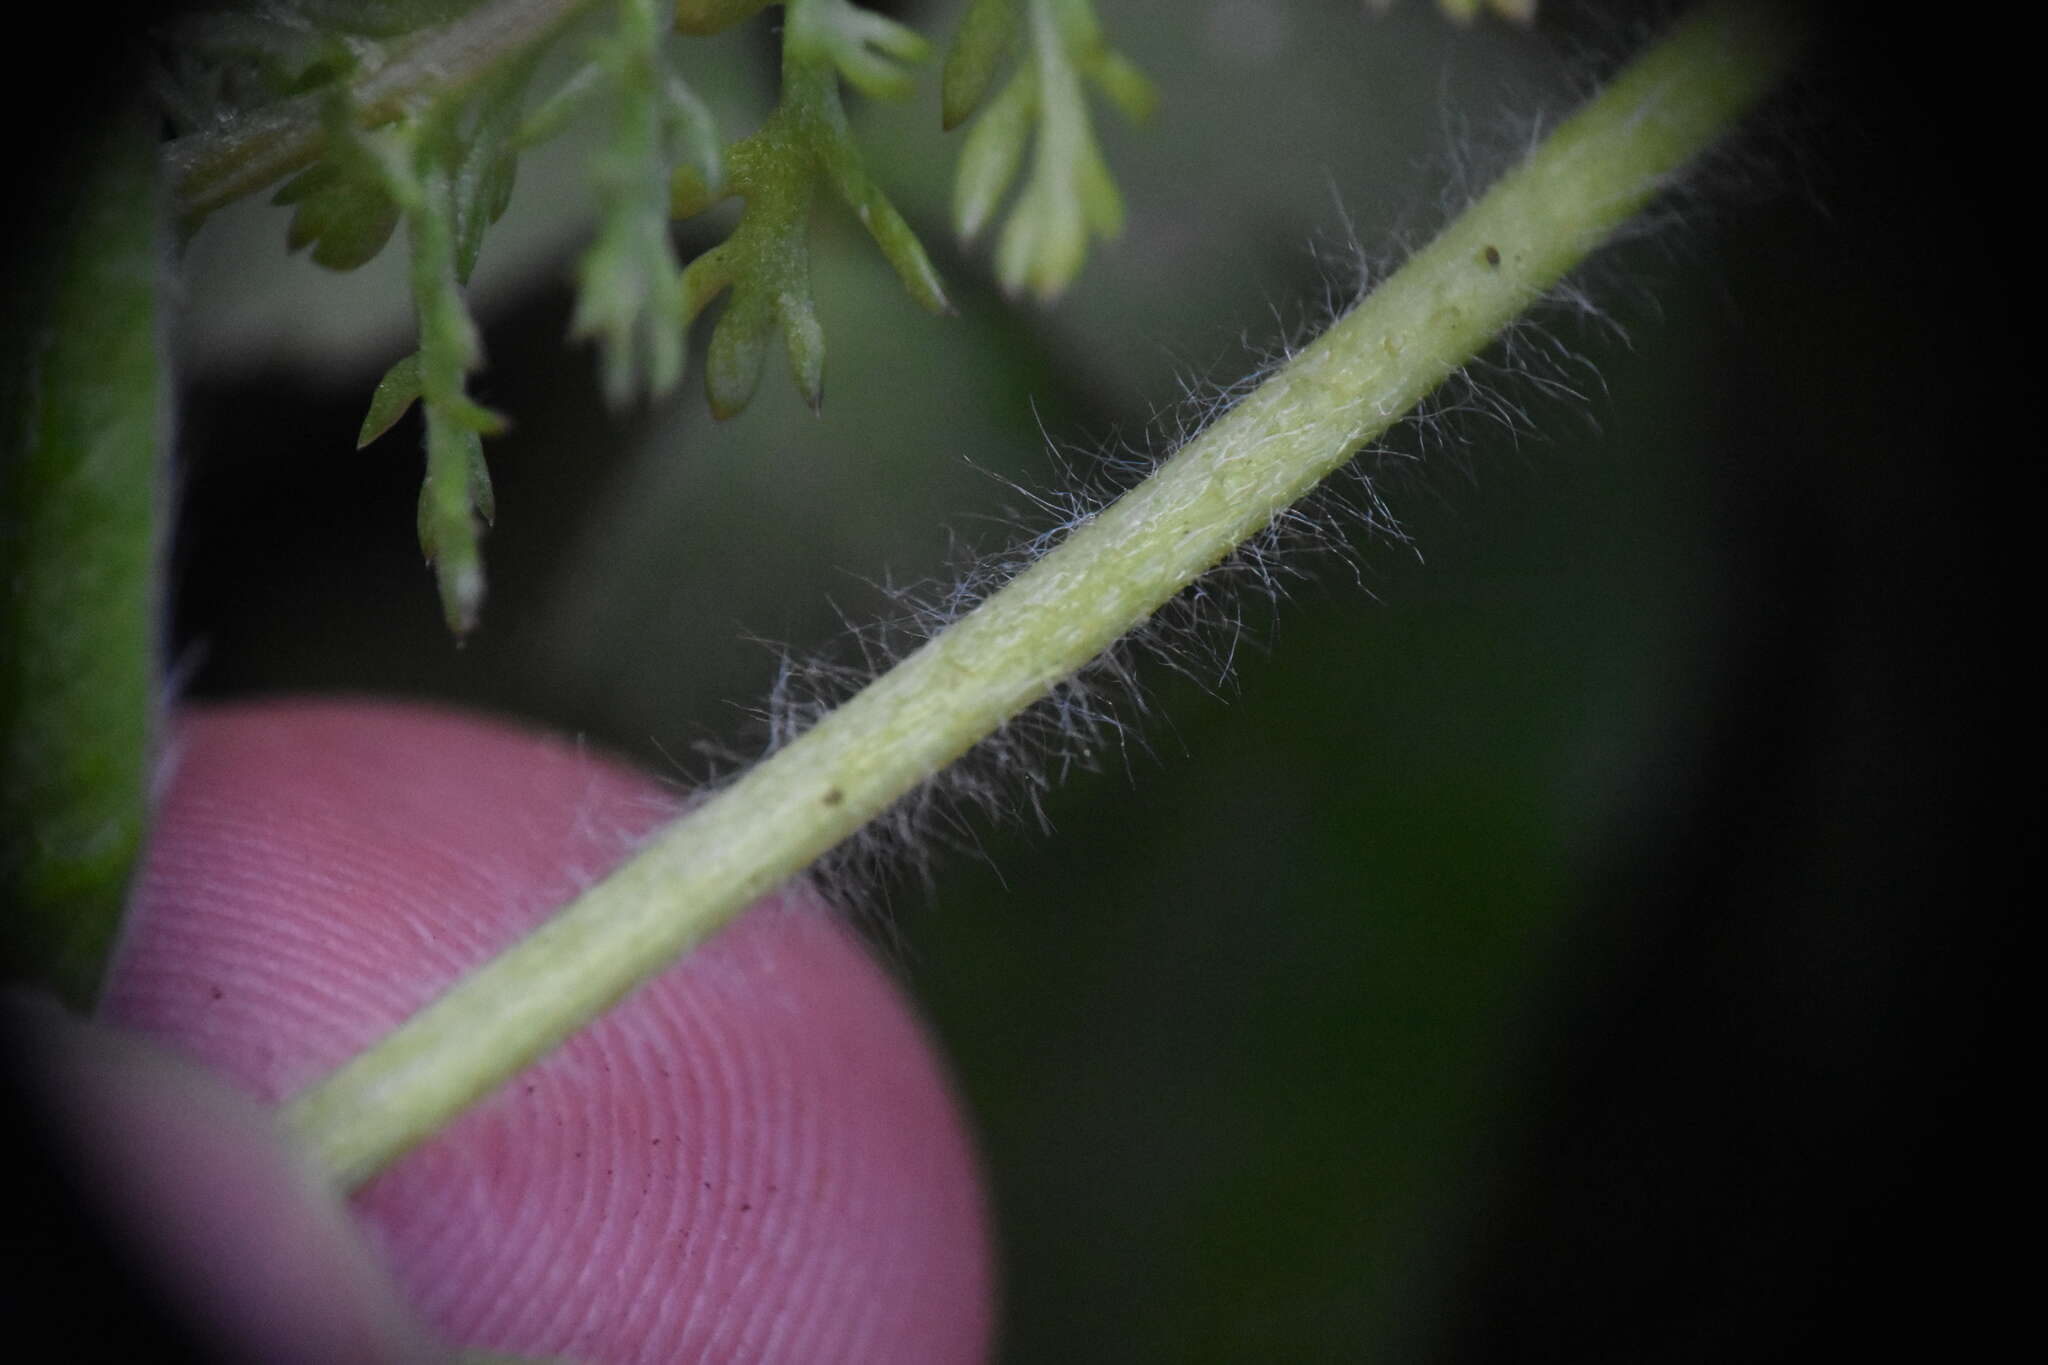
<point x="629" y="283"/>
<point x="766" y="262"/>
<point x="413" y="111"/>
<point x="1068" y="195"/>
<point x="341" y="211"/>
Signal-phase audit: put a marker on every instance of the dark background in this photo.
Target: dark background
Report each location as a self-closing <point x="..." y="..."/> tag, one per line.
<point x="1587" y="933"/>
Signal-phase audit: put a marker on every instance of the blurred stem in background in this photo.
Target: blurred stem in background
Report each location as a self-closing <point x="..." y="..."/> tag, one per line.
<point x="87" y="415"/>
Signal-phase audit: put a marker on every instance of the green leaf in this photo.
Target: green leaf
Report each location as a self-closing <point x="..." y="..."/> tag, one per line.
<point x="766" y="262"/>
<point x="81" y="505"/>
<point x="739" y="344"/>
<point x="803" y="338"/>
<point x="471" y="415"/>
<point x="482" y="496"/>
<point x="1069" y="194"/>
<point x="629" y="283"/>
<point x="1128" y="88"/>
<point x="991" y="154"/>
<point x="487" y="162"/>
<point x="484" y="189"/>
<point x="341" y="210"/>
<point x="689" y="132"/>
<point x="872" y="52"/>
<point x="891" y="232"/>
<point x="978" y="51"/>
<point x="399" y="389"/>
<point x="396" y="392"/>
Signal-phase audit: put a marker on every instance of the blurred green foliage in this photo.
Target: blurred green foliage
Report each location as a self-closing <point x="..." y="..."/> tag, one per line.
<point x="82" y="494"/>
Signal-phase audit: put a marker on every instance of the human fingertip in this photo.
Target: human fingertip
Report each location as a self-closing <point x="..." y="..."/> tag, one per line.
<point x="757" y="1156"/>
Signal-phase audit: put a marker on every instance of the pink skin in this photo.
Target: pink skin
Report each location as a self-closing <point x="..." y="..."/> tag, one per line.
<point x="754" y="1158"/>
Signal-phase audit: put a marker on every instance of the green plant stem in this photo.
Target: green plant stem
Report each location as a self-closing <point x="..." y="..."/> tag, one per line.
<point x="81" y="492"/>
<point x="216" y="167"/>
<point x="456" y="481"/>
<point x="1361" y="376"/>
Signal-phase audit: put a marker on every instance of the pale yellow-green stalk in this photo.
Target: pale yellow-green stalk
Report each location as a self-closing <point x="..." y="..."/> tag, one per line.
<point x="1367" y="370"/>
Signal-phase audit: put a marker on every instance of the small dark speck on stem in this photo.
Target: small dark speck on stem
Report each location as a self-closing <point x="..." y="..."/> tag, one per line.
<point x="833" y="796"/>
<point x="1493" y="256"/>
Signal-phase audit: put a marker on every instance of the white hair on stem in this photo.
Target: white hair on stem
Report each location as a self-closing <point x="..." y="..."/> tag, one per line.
<point x="1029" y="661"/>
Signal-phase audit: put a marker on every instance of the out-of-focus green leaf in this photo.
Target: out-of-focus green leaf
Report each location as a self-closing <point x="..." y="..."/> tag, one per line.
<point x="991" y="155"/>
<point x="1069" y="194"/>
<point x="874" y="53"/>
<point x="629" y="295"/>
<point x="486" y="161"/>
<point x="978" y="50"/>
<point x="340" y="209"/>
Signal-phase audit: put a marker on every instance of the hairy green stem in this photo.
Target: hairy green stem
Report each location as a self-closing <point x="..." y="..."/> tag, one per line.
<point x="216" y="167"/>
<point x="1361" y="376"/>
